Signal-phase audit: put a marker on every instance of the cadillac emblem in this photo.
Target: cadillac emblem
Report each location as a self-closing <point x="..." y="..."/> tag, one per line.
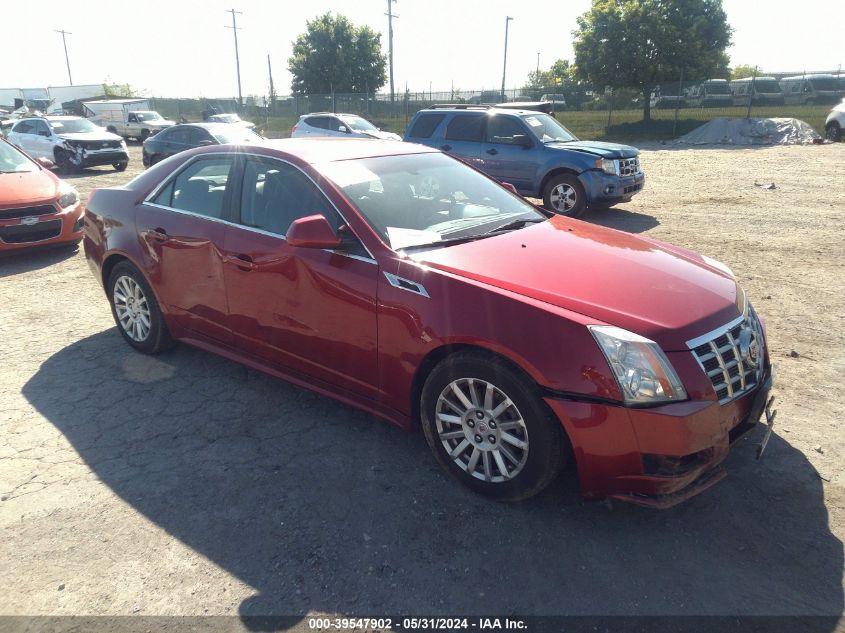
<point x="749" y="348"/>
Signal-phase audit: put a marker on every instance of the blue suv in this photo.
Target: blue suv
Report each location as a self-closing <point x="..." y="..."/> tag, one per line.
<point x="534" y="153"/>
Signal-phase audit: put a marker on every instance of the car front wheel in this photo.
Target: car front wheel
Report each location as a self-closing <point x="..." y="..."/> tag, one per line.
<point x="565" y="195"/>
<point x="834" y="131"/>
<point x="136" y="311"/>
<point x="488" y="426"/>
<point x="121" y="166"/>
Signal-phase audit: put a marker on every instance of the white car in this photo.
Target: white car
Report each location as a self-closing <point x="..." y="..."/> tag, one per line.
<point x="230" y="118"/>
<point x="334" y="124"/>
<point x="71" y="142"/>
<point x="835" y="122"/>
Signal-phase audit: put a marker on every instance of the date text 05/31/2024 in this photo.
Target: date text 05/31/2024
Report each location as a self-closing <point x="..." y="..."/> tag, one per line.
<point x="435" y="624"/>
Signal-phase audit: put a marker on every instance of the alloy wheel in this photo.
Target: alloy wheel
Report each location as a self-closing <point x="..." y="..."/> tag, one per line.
<point x="482" y="430"/>
<point x="132" y="308"/>
<point x="563" y="197"/>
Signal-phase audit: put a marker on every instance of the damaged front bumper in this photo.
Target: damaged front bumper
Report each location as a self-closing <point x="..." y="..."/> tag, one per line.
<point x="82" y="156"/>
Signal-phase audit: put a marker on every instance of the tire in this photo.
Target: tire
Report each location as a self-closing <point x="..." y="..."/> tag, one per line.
<point x="145" y="134"/>
<point x="149" y="335"/>
<point x="63" y="163"/>
<point x="121" y="166"/>
<point x="833" y="131"/>
<point x="564" y="195"/>
<point x="111" y="129"/>
<point x="532" y="455"/>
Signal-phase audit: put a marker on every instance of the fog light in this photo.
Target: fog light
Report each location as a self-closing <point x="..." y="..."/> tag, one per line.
<point x="609" y="189"/>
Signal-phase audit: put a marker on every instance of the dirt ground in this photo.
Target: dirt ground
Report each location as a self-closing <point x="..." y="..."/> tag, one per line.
<point x="186" y="484"/>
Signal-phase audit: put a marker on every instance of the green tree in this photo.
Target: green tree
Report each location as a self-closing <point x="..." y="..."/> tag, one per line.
<point x="744" y="70"/>
<point x="333" y="55"/>
<point x="641" y="43"/>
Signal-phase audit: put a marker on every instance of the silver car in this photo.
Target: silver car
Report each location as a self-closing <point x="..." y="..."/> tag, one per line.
<point x="336" y="124"/>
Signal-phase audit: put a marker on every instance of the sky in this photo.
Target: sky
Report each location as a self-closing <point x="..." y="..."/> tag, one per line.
<point x="182" y="48"/>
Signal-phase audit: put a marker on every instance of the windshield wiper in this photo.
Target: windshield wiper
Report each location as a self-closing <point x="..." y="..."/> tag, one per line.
<point x="515" y="224"/>
<point x="449" y="242"/>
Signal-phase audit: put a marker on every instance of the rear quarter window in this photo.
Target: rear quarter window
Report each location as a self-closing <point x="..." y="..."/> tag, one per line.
<point x="425" y="125"/>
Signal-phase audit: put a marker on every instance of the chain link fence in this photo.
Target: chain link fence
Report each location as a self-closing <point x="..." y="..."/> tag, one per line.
<point x="675" y="107"/>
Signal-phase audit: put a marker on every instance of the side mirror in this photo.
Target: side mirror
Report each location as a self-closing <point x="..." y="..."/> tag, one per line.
<point x="44" y="133"/>
<point x="206" y="143"/>
<point x="522" y="141"/>
<point x="510" y="187"/>
<point x="46" y="163"/>
<point x="313" y="231"/>
<point x="343" y="129"/>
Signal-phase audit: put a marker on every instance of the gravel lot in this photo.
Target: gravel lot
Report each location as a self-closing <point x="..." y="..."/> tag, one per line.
<point x="187" y="484"/>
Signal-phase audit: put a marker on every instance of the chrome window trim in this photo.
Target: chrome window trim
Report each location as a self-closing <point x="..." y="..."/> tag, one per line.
<point x="164" y="183"/>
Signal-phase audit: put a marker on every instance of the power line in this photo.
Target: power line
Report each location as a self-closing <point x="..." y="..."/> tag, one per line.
<point x="235" y="28"/>
<point x="390" y="15"/>
<point x="67" y="60"/>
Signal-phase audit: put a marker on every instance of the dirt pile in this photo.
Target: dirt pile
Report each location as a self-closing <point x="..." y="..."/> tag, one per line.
<point x="724" y="131"/>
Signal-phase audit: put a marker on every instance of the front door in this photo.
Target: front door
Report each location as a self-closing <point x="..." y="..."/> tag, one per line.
<point x="504" y="157"/>
<point x="183" y="235"/>
<point x="308" y="310"/>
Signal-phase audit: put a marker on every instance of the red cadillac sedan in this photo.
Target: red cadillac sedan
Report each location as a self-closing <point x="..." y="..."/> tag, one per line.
<point x="36" y="208"/>
<point x="399" y="280"/>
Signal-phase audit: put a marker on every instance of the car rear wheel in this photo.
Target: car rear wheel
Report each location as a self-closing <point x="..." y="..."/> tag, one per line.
<point x="488" y="426"/>
<point x="565" y="195"/>
<point x="121" y="166"/>
<point x="834" y="131"/>
<point x="136" y="311"/>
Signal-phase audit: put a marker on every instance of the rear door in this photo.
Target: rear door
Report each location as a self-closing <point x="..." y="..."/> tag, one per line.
<point x="504" y="157"/>
<point x="42" y="146"/>
<point x="182" y="228"/>
<point x="463" y="137"/>
<point x="23" y="135"/>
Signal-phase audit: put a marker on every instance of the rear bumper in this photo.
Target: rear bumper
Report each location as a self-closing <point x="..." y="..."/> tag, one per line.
<point x="50" y="229"/>
<point x="656" y="457"/>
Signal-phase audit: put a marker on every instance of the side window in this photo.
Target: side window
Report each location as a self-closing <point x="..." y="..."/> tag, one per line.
<point x="24" y="127"/>
<point x="196" y="135"/>
<point x="465" y="127"/>
<point x="425" y="125"/>
<point x="335" y="123"/>
<point x="133" y="118"/>
<point x="318" y="122"/>
<point x="40" y="128"/>
<point x="199" y="188"/>
<point x="178" y="135"/>
<point x="275" y="194"/>
<point x="502" y="128"/>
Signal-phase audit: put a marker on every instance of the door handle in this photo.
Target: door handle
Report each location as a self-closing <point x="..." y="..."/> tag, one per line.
<point x="492" y="151"/>
<point x="158" y="234"/>
<point x="243" y="262"/>
<point x="445" y="148"/>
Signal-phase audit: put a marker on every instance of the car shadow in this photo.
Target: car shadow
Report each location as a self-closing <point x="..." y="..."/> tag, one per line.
<point x="30" y="259"/>
<point x="322" y="508"/>
<point x="621" y="219"/>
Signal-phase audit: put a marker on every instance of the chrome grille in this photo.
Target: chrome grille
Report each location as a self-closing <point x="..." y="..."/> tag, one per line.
<point x="731" y="372"/>
<point x="23" y="212"/>
<point x="629" y="166"/>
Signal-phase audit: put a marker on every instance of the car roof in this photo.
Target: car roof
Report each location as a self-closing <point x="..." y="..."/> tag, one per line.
<point x="329" y="114"/>
<point x="208" y="125"/>
<point x="329" y="149"/>
<point x="482" y="108"/>
<point x="61" y="117"/>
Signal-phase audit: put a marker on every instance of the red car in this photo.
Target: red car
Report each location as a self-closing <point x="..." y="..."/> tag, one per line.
<point x="399" y="280"/>
<point x="36" y="208"/>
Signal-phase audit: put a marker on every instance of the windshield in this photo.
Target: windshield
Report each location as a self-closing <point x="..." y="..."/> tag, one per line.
<point x="149" y="116"/>
<point x="547" y="129"/>
<point x="717" y="89"/>
<point x="824" y="83"/>
<point x="12" y="161"/>
<point x="766" y="86"/>
<point x="424" y="199"/>
<point x="236" y="136"/>
<point x="73" y="126"/>
<point x="358" y="124"/>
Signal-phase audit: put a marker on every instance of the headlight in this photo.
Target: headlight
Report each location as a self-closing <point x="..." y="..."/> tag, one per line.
<point x="608" y="166"/>
<point x="68" y="198"/>
<point x="642" y="370"/>
<point x="715" y="263"/>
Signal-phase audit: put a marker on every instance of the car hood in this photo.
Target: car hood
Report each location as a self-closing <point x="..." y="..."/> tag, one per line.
<point x="90" y="136"/>
<point x="597" y="148"/>
<point x="388" y="136"/>
<point x="663" y="292"/>
<point x="28" y="188"/>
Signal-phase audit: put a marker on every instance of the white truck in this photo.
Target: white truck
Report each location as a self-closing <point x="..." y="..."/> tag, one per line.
<point x="129" y="118"/>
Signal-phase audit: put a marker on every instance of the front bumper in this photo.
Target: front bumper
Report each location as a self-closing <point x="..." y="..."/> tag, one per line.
<point x="607" y="189"/>
<point x="660" y="456"/>
<point x="96" y="158"/>
<point x="61" y="227"/>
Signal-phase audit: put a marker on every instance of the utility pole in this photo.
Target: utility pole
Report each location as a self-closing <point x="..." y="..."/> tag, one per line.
<point x="272" y="89"/>
<point x="67" y="60"/>
<point x="390" y="17"/>
<point x="505" y="66"/>
<point x="235" y="29"/>
<point x="538" y="65"/>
